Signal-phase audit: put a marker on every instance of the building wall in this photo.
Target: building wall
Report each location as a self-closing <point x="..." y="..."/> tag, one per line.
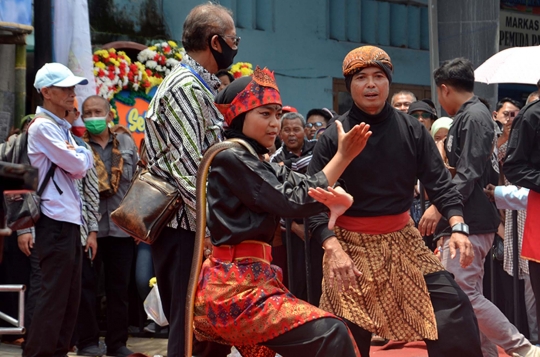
<point x="7" y="89"/>
<point x="470" y="32"/>
<point x="126" y="20"/>
<point x="305" y="41"/>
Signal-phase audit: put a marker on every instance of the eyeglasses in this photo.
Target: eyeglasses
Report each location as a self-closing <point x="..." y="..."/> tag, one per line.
<point x="422" y="115"/>
<point x="509" y="114"/>
<point x="236" y="39"/>
<point x="317" y="124"/>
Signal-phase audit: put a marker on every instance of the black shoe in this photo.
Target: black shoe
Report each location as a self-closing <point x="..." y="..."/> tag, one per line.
<point x="120" y="352"/>
<point x="94" y="351"/>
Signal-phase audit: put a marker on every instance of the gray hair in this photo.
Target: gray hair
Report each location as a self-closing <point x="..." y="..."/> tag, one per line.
<point x="106" y="104"/>
<point x="201" y="23"/>
<point x="293" y="116"/>
<point x="403" y="92"/>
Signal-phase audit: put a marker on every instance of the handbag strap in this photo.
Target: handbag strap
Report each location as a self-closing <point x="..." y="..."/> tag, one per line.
<point x="50" y="173"/>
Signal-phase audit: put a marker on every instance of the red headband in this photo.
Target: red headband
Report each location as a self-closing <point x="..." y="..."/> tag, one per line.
<point x="262" y="90"/>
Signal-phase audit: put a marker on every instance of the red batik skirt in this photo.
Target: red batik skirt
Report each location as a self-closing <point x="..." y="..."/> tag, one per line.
<point x="244" y="303"/>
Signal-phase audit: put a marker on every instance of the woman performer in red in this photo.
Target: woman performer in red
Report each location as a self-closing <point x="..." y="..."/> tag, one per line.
<point x="240" y="298"/>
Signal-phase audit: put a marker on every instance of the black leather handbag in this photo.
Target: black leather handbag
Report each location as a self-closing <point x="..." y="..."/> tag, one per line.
<point x="23" y="211"/>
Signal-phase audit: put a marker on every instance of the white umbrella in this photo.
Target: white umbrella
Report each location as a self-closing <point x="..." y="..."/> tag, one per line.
<point x="513" y="65"/>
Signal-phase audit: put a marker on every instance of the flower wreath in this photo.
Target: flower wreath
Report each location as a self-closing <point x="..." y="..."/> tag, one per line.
<point x="114" y="71"/>
<point x="159" y="60"/>
<point x="241" y="69"/>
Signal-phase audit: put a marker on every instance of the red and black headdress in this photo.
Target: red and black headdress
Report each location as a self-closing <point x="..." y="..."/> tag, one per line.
<point x="247" y="93"/>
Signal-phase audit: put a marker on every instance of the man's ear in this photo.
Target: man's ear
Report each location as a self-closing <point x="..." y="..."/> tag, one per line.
<point x="445" y="90"/>
<point x="45" y="92"/>
<point x="494" y="115"/>
<point x="214" y="43"/>
<point x="110" y="116"/>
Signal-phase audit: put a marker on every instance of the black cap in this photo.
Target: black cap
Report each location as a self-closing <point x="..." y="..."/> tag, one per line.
<point x="423" y="106"/>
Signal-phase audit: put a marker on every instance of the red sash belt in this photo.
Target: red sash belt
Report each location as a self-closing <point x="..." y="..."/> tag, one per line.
<point x="374" y="225"/>
<point x="247" y="249"/>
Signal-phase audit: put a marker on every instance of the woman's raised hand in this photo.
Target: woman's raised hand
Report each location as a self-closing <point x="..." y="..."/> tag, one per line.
<point x="352" y="143"/>
<point x="336" y="199"/>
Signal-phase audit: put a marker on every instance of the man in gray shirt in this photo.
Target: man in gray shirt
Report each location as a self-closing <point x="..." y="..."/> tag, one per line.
<point x="115" y="156"/>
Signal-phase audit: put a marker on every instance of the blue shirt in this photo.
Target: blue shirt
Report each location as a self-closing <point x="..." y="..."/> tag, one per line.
<point x="46" y="145"/>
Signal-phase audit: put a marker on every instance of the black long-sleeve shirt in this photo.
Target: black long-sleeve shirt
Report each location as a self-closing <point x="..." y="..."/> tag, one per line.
<point x="246" y="197"/>
<point x="469" y="148"/>
<point x="381" y="179"/>
<point x="522" y="162"/>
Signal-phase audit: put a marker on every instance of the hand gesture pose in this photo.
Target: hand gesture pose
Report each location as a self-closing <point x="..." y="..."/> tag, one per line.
<point x="349" y="146"/>
<point x="336" y="199"/>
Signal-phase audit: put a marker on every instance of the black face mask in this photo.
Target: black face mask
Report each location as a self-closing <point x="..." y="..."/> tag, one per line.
<point x="224" y="58"/>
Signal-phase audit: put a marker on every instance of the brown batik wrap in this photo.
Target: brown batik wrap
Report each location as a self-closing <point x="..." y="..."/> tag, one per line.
<point x="392" y="300"/>
<point x="108" y="182"/>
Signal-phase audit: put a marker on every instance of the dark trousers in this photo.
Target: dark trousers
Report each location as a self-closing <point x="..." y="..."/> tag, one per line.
<point x="534" y="273"/>
<point x="58" y="248"/>
<point x="87" y="330"/>
<point x="325" y="337"/>
<point x="172" y="253"/>
<point x="298" y="272"/>
<point x="33" y="291"/>
<point x="456" y="323"/>
<point x="317" y="254"/>
<point x="116" y="254"/>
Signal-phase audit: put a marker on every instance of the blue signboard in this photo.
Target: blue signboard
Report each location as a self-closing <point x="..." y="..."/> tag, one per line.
<point x="16" y="11"/>
<point x="519" y="4"/>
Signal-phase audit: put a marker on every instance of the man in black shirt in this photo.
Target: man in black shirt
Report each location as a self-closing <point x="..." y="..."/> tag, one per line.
<point x="470" y="150"/>
<point x="378" y="273"/>
<point x="522" y="168"/>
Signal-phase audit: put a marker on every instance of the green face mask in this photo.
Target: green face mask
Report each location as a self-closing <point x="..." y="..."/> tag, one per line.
<point x="96" y="125"/>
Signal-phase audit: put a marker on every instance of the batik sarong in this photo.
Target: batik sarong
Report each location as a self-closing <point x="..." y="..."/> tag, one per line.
<point x="392" y="299"/>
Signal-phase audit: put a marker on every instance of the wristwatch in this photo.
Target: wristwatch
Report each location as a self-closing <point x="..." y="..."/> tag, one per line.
<point x="461" y="228"/>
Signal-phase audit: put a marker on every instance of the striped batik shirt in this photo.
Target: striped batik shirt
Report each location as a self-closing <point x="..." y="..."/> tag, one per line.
<point x="295" y="163"/>
<point x="88" y="188"/>
<point x="181" y="124"/>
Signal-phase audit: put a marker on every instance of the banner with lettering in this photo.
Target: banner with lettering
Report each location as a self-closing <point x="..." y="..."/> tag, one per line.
<point x="131" y="109"/>
<point x="518" y="30"/>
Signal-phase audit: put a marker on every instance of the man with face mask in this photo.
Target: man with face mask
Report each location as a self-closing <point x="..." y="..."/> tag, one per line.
<point x="115" y="156"/>
<point x="181" y="123"/>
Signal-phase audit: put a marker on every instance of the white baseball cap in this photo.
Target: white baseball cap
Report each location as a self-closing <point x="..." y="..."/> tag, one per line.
<point x="58" y="75"/>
